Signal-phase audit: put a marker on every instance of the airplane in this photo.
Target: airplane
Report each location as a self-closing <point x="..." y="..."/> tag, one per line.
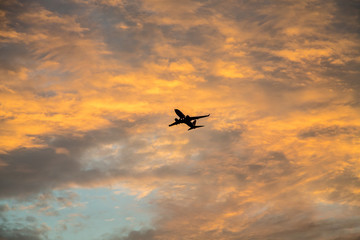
<point x="187" y="120"/>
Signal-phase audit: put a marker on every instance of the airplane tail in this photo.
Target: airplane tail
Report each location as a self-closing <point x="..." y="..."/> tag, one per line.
<point x="194" y="127"/>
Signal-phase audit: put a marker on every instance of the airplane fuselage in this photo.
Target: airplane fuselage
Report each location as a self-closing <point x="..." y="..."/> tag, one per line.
<point x="190" y="121"/>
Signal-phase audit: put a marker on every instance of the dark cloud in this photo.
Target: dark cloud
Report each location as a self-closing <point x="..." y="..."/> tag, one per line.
<point x="124" y="31"/>
<point x="30" y="219"/>
<point x="272" y="168"/>
<point x="4" y="208"/>
<point x="216" y="140"/>
<point x="343" y="184"/>
<point x="14" y="56"/>
<point x="66" y="7"/>
<point x="347" y="16"/>
<point x="298" y="226"/>
<point x="137" y="235"/>
<point x="329" y="131"/>
<point x="47" y="94"/>
<point x="22" y="233"/>
<point x="33" y="170"/>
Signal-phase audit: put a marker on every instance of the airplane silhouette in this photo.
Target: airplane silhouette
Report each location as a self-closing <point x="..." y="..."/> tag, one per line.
<point x="187" y="120"/>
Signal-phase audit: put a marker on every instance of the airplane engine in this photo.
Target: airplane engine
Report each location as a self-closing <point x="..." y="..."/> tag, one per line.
<point x="176" y="119"/>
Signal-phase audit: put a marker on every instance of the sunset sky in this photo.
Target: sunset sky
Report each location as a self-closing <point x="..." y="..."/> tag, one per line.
<point x="89" y="87"/>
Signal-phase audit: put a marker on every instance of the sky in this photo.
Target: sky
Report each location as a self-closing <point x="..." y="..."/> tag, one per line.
<point x="89" y="87"/>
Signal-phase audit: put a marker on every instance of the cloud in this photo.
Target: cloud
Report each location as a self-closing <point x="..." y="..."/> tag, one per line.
<point x="45" y="168"/>
<point x="21" y="233"/>
<point x="10" y="230"/>
<point x="344" y="187"/>
<point x="331" y="131"/>
<point x="136" y="235"/>
<point x="4" y="208"/>
<point x="30" y="219"/>
<point x="98" y="157"/>
<point x="87" y="91"/>
<point x="328" y="229"/>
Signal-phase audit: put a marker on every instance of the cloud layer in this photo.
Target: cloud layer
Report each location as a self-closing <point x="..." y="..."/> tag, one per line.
<point x="88" y="88"/>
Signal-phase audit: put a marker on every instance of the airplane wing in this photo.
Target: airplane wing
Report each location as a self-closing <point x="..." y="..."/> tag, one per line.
<point x="189" y="124"/>
<point x="174" y="123"/>
<point x="197" y="117"/>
